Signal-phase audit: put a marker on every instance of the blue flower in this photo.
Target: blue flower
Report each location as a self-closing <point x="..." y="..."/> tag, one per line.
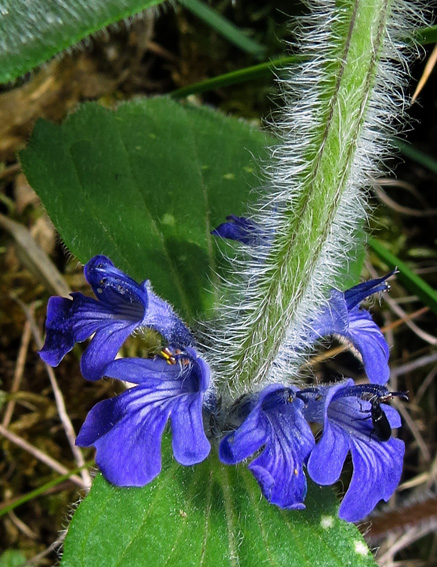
<point x="127" y="430"/>
<point x="343" y="316"/>
<point x="122" y="305"/>
<point x="275" y="424"/>
<point x="242" y="230"/>
<point x="346" y="412"/>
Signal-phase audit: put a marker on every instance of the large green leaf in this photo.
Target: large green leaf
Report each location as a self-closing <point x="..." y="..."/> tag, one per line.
<point x="210" y="515"/>
<point x="145" y="185"/>
<point x="32" y="32"/>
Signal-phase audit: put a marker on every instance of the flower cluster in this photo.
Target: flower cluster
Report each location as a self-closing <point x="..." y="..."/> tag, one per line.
<point x="127" y="430"/>
<point x="273" y="426"/>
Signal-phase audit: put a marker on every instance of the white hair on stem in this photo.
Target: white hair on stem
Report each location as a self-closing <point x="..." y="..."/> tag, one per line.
<point x="341" y="108"/>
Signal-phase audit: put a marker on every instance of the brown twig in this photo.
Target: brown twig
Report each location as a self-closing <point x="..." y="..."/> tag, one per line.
<point x="401" y="209"/>
<point x="402" y="518"/>
<point x="430" y="64"/>
<point x="162" y="52"/>
<point x="425" y="384"/>
<point x="49" y="461"/>
<point x="34" y="257"/>
<point x="60" y="404"/>
<point x="24" y="528"/>
<point x="403" y="315"/>
<point x="10" y="171"/>
<point x="414" y="365"/>
<point x="19" y="369"/>
<point x="52" y="548"/>
<point x="421" y="443"/>
<point x="417" y="330"/>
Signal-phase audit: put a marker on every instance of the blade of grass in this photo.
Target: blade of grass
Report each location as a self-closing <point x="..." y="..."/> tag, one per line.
<point x="426" y="35"/>
<point x="5" y="509"/>
<point x="240" y="76"/>
<point x="225" y="28"/>
<point x="416" y="155"/>
<point x="407" y="277"/>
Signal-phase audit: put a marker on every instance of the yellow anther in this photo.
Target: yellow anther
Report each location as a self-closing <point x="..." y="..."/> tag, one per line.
<point x="168" y="356"/>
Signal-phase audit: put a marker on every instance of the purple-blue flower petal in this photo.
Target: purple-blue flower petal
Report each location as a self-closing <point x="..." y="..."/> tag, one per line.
<point x="127" y="430"/>
<point x="123" y="294"/>
<point x="70" y="321"/>
<point x="326" y="460"/>
<point x="114" y="288"/>
<point x="367" y="338"/>
<point x="277" y="424"/>
<point x="247" y="439"/>
<point x="377" y="472"/>
<point x="279" y="468"/>
<point x="189" y="442"/>
<point x="103" y="348"/>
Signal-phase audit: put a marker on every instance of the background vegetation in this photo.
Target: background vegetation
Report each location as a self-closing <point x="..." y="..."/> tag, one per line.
<point x="164" y="51"/>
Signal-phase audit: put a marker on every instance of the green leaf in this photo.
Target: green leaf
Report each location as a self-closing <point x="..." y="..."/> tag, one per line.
<point x="145" y="185"/>
<point x="33" y="32"/>
<point x="209" y="514"/>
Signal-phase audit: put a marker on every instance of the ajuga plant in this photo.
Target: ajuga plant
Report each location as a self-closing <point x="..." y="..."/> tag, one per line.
<point x="231" y="386"/>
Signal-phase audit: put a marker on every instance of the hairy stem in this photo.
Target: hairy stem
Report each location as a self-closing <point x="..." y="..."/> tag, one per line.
<point x="315" y="190"/>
